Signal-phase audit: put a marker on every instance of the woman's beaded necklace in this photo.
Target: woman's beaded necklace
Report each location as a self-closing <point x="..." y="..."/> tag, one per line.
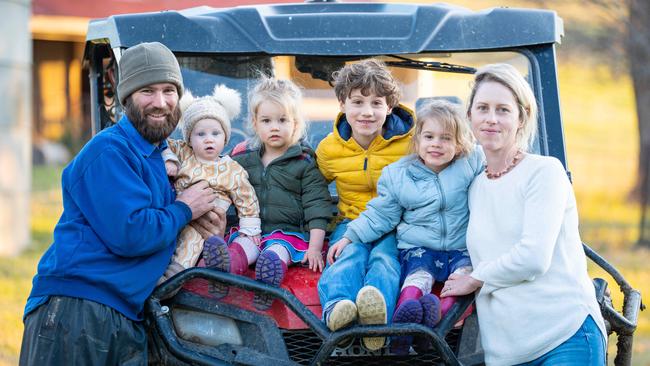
<point x="515" y="160"/>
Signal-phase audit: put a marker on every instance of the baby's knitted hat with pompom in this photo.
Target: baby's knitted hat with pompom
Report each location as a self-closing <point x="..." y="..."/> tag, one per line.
<point x="223" y="105"/>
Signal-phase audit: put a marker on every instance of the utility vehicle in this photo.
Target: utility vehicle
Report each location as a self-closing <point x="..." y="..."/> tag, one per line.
<point x="433" y="50"/>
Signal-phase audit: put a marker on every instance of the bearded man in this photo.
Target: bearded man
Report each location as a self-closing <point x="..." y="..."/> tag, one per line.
<point x="118" y="228"/>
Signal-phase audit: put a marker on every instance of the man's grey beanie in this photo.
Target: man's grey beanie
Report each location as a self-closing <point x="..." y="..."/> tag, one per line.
<point x="146" y="64"/>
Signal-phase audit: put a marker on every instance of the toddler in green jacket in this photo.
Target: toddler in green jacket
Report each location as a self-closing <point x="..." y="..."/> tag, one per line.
<point x="295" y="204"/>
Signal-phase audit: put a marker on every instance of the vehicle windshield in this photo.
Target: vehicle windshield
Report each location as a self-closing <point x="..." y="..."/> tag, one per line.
<point x="422" y="76"/>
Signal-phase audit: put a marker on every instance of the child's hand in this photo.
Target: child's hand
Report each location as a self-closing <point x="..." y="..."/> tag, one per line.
<point x="336" y="250"/>
<point x="315" y="259"/>
<point x="171" y="168"/>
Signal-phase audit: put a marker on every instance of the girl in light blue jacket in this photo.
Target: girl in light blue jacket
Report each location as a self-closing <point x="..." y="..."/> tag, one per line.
<point x="423" y="196"/>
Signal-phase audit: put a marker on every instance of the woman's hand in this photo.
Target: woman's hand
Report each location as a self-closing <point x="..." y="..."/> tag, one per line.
<point x="460" y="284"/>
<point x="211" y="223"/>
<point x="336" y="250"/>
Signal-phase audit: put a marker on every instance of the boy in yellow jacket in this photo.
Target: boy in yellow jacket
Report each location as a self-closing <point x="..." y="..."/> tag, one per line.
<point x="373" y="130"/>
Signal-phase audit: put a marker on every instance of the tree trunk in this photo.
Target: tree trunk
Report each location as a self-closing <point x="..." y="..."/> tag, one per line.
<point x="638" y="49"/>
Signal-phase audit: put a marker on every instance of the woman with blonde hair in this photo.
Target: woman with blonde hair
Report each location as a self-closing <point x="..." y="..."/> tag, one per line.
<point x="536" y="304"/>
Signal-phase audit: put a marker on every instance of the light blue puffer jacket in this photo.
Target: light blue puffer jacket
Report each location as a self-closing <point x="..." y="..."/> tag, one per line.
<point x="428" y="209"/>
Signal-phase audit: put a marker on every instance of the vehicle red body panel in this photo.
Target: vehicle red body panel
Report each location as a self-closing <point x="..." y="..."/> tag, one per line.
<point x="300" y="281"/>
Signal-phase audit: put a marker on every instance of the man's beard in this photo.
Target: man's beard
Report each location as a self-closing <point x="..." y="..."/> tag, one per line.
<point x="153" y="134"/>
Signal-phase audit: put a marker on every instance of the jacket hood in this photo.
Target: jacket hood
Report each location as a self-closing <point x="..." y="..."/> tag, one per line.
<point x="302" y="148"/>
<point x="248" y="146"/>
<point x="398" y="123"/>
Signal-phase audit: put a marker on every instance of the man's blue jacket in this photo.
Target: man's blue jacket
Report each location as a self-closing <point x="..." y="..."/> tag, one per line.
<point x="119" y="224"/>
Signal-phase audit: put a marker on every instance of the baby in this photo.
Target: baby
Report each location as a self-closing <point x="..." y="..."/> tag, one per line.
<point x="205" y="123"/>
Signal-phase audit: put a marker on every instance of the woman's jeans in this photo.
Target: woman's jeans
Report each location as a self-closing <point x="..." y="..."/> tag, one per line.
<point x="585" y="347"/>
<point x="360" y="264"/>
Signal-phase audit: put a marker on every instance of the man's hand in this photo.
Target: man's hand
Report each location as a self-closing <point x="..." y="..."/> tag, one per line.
<point x="336" y="250"/>
<point x="172" y="168"/>
<point x="211" y="223"/>
<point x="199" y="197"/>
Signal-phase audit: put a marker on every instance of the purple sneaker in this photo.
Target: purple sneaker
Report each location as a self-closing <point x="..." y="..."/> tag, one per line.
<point x="430" y="318"/>
<point x="216" y="256"/>
<point x="269" y="269"/>
<point x="409" y="311"/>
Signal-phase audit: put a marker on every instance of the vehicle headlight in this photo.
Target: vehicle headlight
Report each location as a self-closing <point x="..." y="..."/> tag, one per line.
<point x="206" y="328"/>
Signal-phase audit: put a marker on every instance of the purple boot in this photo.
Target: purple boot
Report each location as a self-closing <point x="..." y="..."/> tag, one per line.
<point x="430" y="318"/>
<point x="409" y="311"/>
<point x="216" y="256"/>
<point x="269" y="269"/>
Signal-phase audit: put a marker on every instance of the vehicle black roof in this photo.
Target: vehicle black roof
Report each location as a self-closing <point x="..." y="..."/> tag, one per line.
<point x="337" y="29"/>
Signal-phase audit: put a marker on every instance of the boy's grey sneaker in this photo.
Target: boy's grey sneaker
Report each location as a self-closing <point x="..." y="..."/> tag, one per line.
<point x="342" y="314"/>
<point x="371" y="307"/>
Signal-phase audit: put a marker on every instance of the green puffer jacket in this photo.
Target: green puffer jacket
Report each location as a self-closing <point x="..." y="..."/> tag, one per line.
<point x="292" y="192"/>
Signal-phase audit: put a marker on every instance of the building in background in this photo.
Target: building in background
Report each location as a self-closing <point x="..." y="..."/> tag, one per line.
<point x="58" y="29"/>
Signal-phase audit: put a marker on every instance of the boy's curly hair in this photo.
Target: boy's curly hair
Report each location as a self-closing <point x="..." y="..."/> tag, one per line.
<point x="370" y="76"/>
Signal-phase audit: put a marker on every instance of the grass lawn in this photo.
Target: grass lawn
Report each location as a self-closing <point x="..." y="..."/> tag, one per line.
<point x="16" y="273"/>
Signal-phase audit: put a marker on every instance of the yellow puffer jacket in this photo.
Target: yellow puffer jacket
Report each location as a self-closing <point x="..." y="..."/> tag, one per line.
<point x="356" y="170"/>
